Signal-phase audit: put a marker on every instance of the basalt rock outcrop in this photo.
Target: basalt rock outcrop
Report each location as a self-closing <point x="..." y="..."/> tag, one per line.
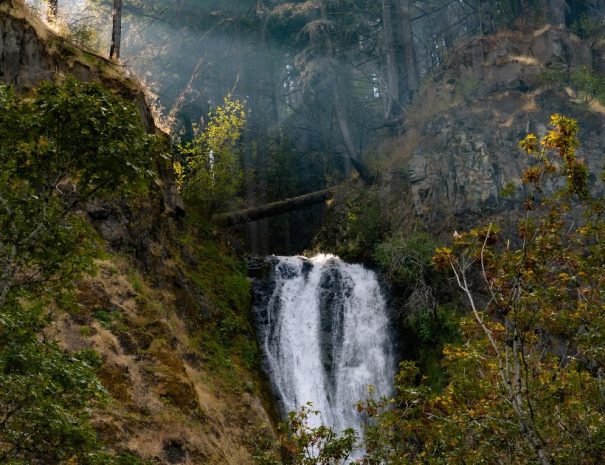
<point x="458" y="146"/>
<point x="494" y="92"/>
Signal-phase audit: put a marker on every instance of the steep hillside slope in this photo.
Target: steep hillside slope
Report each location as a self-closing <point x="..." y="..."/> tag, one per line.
<point x="167" y="312"/>
<point x="167" y="309"/>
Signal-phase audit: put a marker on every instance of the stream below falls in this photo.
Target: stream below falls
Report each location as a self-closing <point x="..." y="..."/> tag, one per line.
<point x="324" y="330"/>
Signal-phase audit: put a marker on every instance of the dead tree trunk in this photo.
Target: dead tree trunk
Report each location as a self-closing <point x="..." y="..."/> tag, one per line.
<point x="273" y="209"/>
<point x="116" y="34"/>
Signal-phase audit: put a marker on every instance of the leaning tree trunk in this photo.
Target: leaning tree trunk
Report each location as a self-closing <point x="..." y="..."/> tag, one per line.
<point x="273" y="209"/>
<point x="116" y="35"/>
<point x="345" y="133"/>
<point x="343" y="123"/>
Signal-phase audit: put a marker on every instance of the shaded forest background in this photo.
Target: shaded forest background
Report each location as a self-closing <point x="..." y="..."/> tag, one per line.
<point x="324" y="81"/>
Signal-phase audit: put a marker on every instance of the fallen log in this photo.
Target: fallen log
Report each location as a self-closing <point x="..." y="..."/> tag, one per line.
<point x="272" y="209"/>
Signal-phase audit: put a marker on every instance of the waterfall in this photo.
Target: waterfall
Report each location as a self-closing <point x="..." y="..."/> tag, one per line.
<point x="324" y="332"/>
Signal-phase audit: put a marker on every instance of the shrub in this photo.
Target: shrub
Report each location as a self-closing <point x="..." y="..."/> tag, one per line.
<point x="587" y="83"/>
<point x="209" y="172"/>
<point x="58" y="148"/>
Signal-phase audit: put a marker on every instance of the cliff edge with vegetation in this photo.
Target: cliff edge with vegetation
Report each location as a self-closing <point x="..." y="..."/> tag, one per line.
<point x="162" y="302"/>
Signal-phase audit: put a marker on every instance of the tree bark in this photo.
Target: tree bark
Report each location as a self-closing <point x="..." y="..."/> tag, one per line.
<point x="347" y="138"/>
<point x="273" y="209"/>
<point x="343" y="124"/>
<point x="404" y="50"/>
<point x="393" y="100"/>
<point x="486" y="17"/>
<point x="116" y="35"/>
<point x="409" y="50"/>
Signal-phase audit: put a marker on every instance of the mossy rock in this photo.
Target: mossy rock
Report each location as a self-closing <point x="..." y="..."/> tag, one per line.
<point x="178" y="392"/>
<point x="116" y="380"/>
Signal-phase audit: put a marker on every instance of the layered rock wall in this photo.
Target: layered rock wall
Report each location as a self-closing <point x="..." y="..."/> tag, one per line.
<point x="493" y="94"/>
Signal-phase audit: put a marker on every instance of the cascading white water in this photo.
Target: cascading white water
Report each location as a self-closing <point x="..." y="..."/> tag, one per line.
<point x="324" y="332"/>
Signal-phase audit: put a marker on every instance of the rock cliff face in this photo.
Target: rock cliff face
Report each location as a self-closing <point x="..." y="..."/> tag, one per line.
<point x="458" y="145"/>
<point x="492" y="95"/>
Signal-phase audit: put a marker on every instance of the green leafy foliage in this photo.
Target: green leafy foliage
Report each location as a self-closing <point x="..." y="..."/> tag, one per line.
<point x="588" y="84"/>
<point x="430" y="320"/>
<point x="525" y="383"/>
<point x="364" y="225"/>
<point x="586" y="26"/>
<point x="44" y="392"/>
<point x="227" y="338"/>
<point x="304" y="444"/>
<point x="405" y="260"/>
<point x="111" y="147"/>
<point x="64" y="144"/>
<point x="210" y="174"/>
<point x="426" y="334"/>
